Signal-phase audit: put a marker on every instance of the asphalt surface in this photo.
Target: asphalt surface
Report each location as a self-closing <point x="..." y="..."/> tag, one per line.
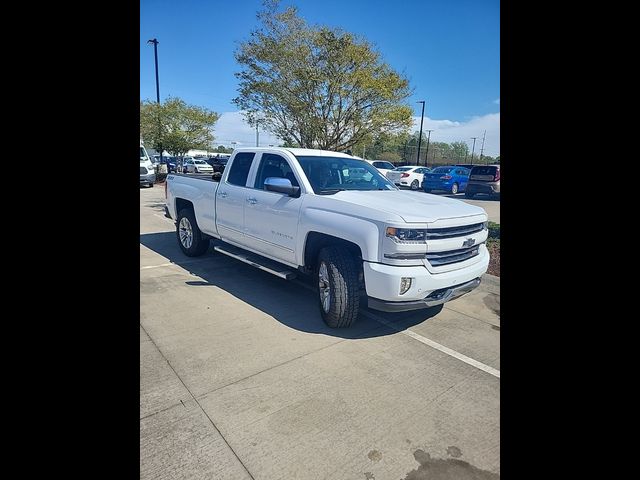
<point x="241" y="379"/>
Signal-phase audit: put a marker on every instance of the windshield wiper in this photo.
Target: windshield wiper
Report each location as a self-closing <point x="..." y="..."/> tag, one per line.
<point x="331" y="191"/>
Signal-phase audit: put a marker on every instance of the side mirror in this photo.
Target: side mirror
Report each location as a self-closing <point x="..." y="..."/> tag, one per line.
<point x="282" y="185"/>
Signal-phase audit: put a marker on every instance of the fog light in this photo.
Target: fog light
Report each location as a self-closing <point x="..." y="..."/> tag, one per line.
<point x="405" y="284"/>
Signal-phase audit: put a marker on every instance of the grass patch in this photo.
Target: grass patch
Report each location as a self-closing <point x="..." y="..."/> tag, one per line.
<point x="493" y="245"/>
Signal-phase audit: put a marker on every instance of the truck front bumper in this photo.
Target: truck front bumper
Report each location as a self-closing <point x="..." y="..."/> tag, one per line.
<point x="148" y="179"/>
<point x="427" y="289"/>
<point x="437" y="297"/>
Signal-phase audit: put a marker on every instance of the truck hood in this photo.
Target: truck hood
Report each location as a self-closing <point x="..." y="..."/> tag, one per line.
<point x="412" y="207"/>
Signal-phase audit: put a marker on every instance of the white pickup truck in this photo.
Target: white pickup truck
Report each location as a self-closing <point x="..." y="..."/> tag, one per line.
<point x="293" y="211"/>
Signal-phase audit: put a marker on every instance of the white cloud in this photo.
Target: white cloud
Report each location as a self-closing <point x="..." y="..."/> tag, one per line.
<point x="448" y="131"/>
<point x="231" y="127"/>
<point x="497" y="101"/>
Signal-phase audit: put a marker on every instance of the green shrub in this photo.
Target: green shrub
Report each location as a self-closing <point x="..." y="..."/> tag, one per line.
<point x="494" y="230"/>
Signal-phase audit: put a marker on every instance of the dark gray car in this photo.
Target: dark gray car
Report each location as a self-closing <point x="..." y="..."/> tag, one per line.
<point x="483" y="179"/>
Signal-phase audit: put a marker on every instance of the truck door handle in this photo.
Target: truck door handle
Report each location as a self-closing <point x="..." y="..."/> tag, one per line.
<point x="252" y="200"/>
<point x="223" y="194"/>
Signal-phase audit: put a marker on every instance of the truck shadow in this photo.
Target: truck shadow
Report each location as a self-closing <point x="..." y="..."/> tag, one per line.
<point x="292" y="303"/>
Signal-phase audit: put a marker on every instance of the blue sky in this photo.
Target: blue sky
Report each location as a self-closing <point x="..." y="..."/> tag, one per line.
<point x="449" y="50"/>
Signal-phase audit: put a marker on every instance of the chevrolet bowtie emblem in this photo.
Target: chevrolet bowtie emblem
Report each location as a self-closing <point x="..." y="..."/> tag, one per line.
<point x="468" y="242"/>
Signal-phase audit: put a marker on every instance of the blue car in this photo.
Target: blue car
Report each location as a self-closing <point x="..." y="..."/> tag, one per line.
<point x="450" y="179"/>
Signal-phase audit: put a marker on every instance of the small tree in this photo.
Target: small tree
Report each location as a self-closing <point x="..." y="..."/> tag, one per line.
<point x="176" y="126"/>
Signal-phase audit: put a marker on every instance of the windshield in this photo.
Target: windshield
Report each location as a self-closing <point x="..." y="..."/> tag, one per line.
<point x="485" y="170"/>
<point x="200" y="162"/>
<point x="442" y="170"/>
<point x="386" y="165"/>
<point x="143" y="154"/>
<point x="329" y="175"/>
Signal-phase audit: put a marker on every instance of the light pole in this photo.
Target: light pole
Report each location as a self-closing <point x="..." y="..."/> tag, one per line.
<point x="420" y="137"/>
<point x="482" y="148"/>
<point x="473" y="149"/>
<point x="426" y="156"/>
<point x="154" y="41"/>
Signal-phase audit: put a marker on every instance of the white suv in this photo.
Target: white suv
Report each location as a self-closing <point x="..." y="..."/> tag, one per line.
<point x="382" y="166"/>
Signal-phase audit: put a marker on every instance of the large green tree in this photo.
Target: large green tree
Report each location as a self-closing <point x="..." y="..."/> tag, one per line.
<point x="176" y="126"/>
<point x="315" y="86"/>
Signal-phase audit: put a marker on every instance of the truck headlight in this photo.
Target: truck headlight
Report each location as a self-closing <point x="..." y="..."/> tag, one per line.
<point x="485" y="225"/>
<point x="407" y="235"/>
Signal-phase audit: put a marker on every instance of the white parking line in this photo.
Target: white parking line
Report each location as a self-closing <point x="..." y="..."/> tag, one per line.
<point x="424" y="340"/>
<point x="436" y="345"/>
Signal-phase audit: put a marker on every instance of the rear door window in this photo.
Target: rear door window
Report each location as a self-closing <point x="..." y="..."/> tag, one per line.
<point x="240" y="168"/>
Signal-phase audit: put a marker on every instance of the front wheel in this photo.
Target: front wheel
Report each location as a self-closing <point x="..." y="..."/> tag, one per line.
<point x="454" y="188"/>
<point x="338" y="287"/>
<point x="191" y="240"/>
<point x="414" y="185"/>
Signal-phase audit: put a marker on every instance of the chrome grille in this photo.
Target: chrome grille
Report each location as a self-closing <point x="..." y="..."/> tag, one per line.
<point x="438" y="259"/>
<point x="450" y="232"/>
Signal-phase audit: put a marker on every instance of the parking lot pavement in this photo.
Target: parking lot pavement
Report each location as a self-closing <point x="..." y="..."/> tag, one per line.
<point x="240" y="378"/>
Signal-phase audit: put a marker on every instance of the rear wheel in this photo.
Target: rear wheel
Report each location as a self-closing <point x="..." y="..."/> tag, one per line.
<point x="454" y="188"/>
<point x="414" y="185"/>
<point x="338" y="287"/>
<point x="191" y="240"/>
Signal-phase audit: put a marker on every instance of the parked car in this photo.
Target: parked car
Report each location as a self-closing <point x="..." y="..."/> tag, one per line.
<point x="147" y="170"/>
<point x="410" y="176"/>
<point x="450" y="179"/>
<point x="196" y="165"/>
<point x="383" y="166"/>
<point x="218" y="162"/>
<point x="172" y="164"/>
<point x="484" y="179"/>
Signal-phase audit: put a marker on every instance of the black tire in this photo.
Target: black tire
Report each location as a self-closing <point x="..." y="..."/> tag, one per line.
<point x="344" y="288"/>
<point x="468" y="194"/>
<point x="150" y="184"/>
<point x="414" y="185"/>
<point x="199" y="243"/>
<point x="454" y="188"/>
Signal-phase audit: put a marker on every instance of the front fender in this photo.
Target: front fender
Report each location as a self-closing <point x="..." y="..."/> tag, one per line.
<point x="362" y="232"/>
